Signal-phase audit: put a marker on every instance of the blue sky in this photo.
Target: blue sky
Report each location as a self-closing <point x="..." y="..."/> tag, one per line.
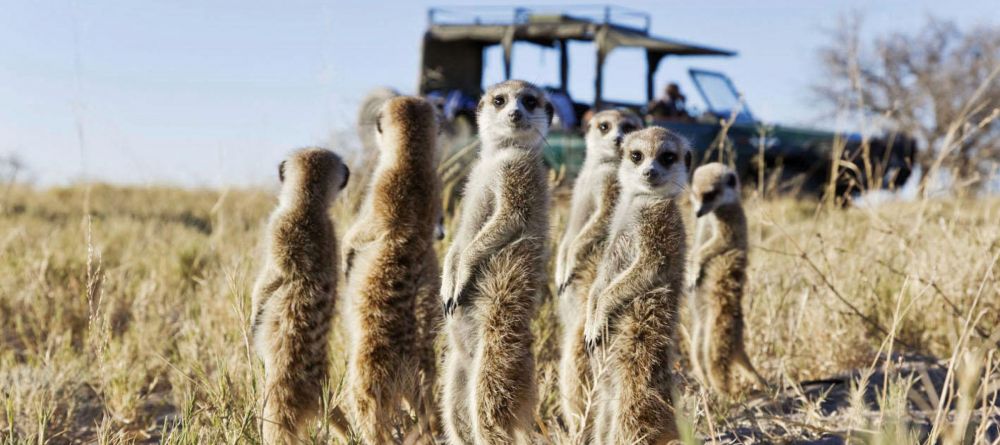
<point x="205" y="93"/>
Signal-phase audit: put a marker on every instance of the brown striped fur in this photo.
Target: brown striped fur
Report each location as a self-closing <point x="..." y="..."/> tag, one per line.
<point x="717" y="312"/>
<point x="293" y="298"/>
<point x="632" y="306"/>
<point x="495" y="271"/>
<point x="393" y="278"/>
<point x="595" y="193"/>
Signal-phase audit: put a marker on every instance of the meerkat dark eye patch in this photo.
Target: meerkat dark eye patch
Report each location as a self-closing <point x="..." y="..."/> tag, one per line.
<point x="666" y="158"/>
<point x="604" y="127"/>
<point x="687" y="160"/>
<point x="731" y="180"/>
<point x="530" y="103"/>
<point x="281" y="171"/>
<point x="635" y="156"/>
<point x="710" y="196"/>
<point x="499" y="101"/>
<point x="627" y="128"/>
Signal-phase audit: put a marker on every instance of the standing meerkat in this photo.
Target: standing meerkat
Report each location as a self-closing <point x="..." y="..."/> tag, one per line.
<point x="293" y="298"/>
<point x="721" y="261"/>
<point x="494" y="272"/>
<point x="595" y="193"/>
<point x="393" y="278"/>
<point x="632" y="306"/>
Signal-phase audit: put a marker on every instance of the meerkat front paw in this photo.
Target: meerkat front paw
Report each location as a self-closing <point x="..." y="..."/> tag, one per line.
<point x="349" y="261"/>
<point x="593" y="335"/>
<point x="562" y="288"/>
<point x="593" y="329"/>
<point x="447" y="284"/>
<point x="565" y="281"/>
<point x="456" y="295"/>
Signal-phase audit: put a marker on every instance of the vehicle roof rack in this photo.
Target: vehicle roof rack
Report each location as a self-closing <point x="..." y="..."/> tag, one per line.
<point x="616" y="16"/>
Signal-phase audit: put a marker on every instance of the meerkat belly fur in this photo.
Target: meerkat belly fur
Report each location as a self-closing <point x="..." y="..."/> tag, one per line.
<point x="293" y="298"/>
<point x="392" y="277"/>
<point x="721" y="261"/>
<point x="595" y="193"/>
<point x="632" y="305"/>
<point x="494" y="273"/>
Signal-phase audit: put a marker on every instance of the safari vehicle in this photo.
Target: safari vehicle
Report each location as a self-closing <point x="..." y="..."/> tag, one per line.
<point x="452" y="73"/>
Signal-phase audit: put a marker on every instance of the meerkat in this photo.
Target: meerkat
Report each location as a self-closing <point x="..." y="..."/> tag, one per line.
<point x="717" y="312"/>
<point x="494" y="272"/>
<point x="595" y="193"/>
<point x="632" y="305"/>
<point x="294" y="295"/>
<point x="393" y="278"/>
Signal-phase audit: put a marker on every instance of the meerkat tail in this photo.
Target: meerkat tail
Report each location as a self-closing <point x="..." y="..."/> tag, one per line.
<point x="743" y="360"/>
<point x="429" y="320"/>
<point x="695" y="350"/>
<point x="373" y="408"/>
<point x="338" y="421"/>
<point x="575" y="381"/>
<point x="455" y="399"/>
<point x="280" y="424"/>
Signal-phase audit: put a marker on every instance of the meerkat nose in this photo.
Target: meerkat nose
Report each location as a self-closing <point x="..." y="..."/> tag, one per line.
<point x="651" y="174"/>
<point x="516" y="116"/>
<point x="618" y="140"/>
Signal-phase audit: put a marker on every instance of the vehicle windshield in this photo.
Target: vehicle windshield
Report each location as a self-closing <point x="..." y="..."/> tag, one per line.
<point x="719" y="94"/>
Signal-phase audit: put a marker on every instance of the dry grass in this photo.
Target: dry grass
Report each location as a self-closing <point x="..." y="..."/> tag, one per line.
<point x="127" y="323"/>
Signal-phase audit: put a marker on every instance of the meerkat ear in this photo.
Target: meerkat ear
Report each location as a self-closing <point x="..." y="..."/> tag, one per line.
<point x="281" y="172"/>
<point x="731" y="180"/>
<point x="549" y="110"/>
<point x="378" y="123"/>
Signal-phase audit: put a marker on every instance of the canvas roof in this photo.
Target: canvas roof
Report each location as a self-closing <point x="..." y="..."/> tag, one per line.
<point x="546" y="30"/>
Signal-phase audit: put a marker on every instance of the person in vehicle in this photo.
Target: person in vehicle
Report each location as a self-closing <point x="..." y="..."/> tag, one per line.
<point x="672" y="105"/>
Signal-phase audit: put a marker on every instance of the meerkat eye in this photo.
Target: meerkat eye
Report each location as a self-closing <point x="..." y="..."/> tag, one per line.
<point x="710" y="196"/>
<point x="604" y="127"/>
<point x="635" y="156"/>
<point x="731" y="180"/>
<point x="530" y="102"/>
<point x="499" y="101"/>
<point x="667" y="158"/>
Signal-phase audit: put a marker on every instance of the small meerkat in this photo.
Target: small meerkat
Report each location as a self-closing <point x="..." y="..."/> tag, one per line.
<point x="595" y="193"/>
<point x="632" y="306"/>
<point x="392" y="277"/>
<point x="494" y="272"/>
<point x="721" y="261"/>
<point x="294" y="295"/>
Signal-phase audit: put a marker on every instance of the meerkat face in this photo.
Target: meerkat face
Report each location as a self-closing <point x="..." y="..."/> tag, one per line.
<point x="714" y="185"/>
<point x="314" y="170"/>
<point x="514" y="112"/>
<point x="405" y="123"/>
<point x="654" y="161"/>
<point x="608" y="129"/>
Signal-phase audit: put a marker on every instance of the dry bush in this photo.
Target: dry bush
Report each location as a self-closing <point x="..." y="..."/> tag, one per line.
<point x="939" y="84"/>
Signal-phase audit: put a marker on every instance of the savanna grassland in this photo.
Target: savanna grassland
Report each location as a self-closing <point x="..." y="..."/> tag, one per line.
<point x="123" y="319"/>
